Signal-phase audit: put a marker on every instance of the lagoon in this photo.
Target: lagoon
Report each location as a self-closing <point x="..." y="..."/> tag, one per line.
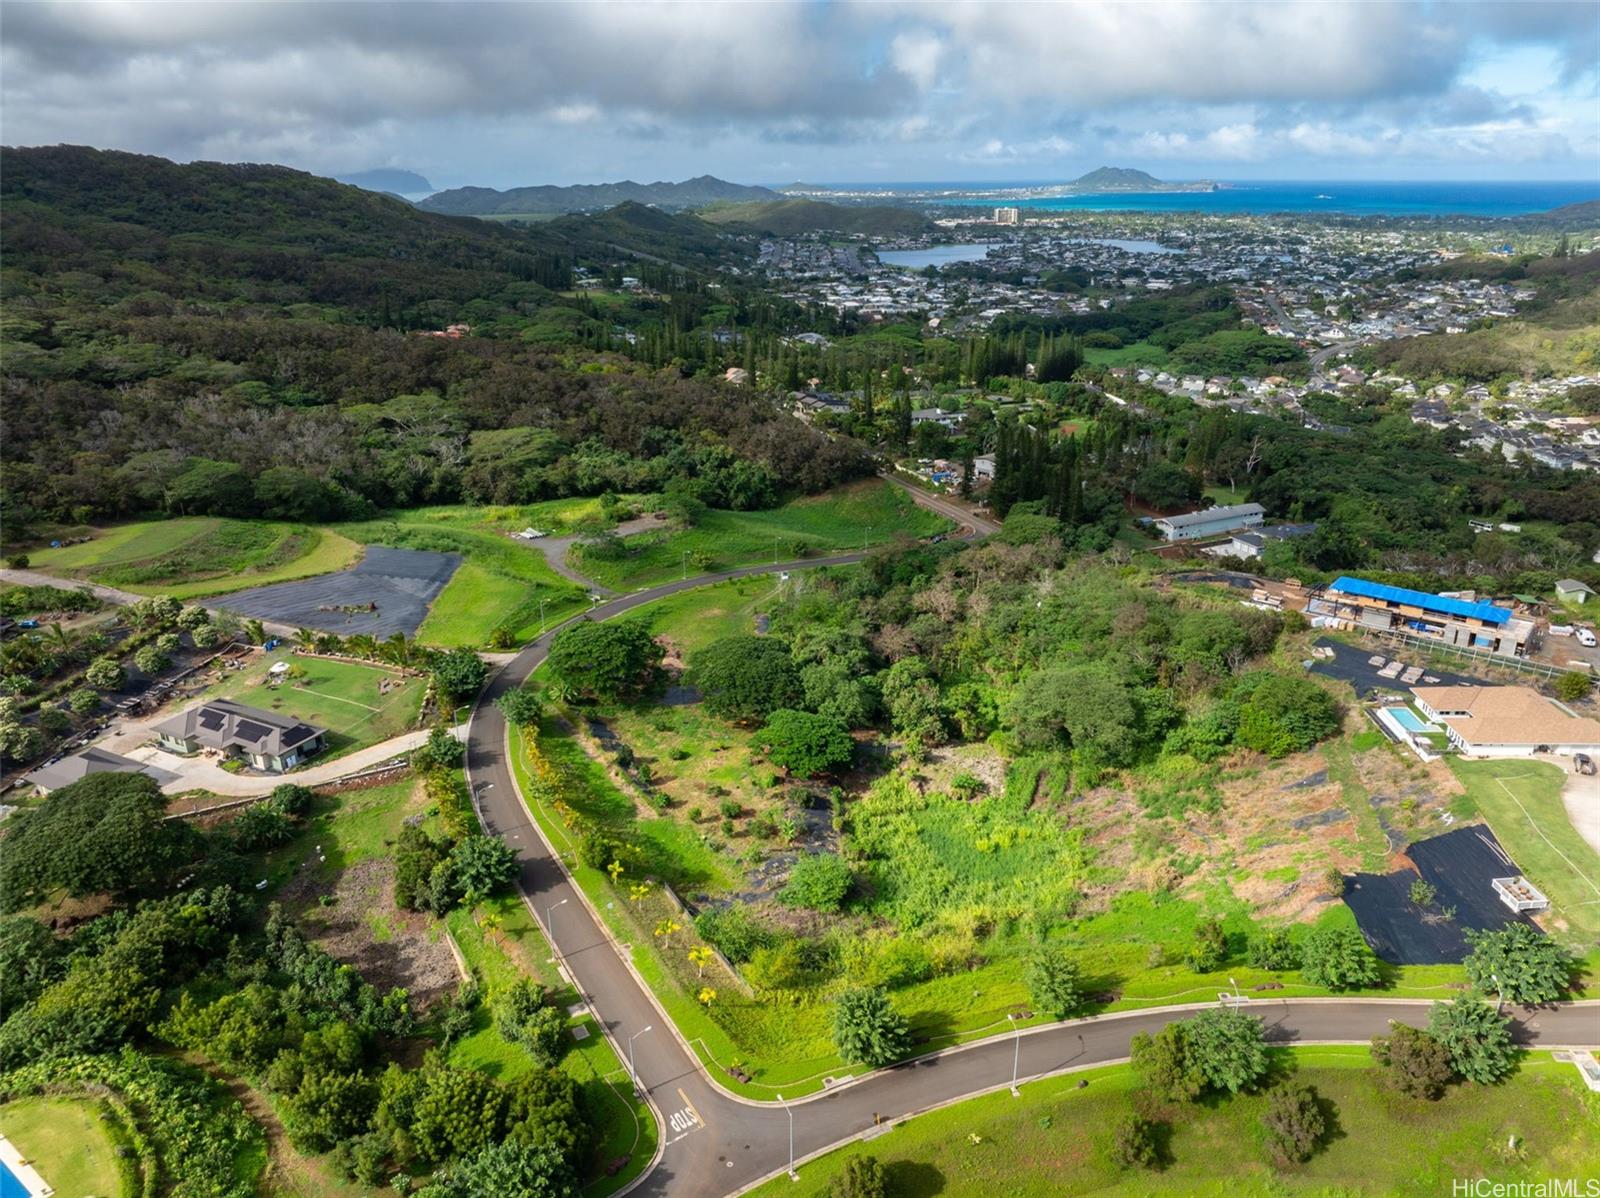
<point x="938" y="255"/>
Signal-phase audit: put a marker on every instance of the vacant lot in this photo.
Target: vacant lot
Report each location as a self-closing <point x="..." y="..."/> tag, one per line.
<point x="499" y="584"/>
<point x="193" y="557"/>
<point x="359" y="704"/>
<point x="847" y="518"/>
<point x="398" y="584"/>
<point x="1522" y="802"/>
<point x="1055" y="1138"/>
<point x="66" y="1141"/>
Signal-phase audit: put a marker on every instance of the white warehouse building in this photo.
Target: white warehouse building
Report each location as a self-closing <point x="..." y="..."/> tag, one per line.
<point x="1212" y="522"/>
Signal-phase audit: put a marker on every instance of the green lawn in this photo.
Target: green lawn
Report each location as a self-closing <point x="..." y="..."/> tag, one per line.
<point x="693" y="619"/>
<point x="1140" y="353"/>
<point x="194" y="557"/>
<point x="1522" y="802"/>
<point x="343" y="697"/>
<point x="65" y="1139"/>
<point x="500" y="584"/>
<point x="343" y="830"/>
<point x="847" y="518"/>
<point x="1053" y="1140"/>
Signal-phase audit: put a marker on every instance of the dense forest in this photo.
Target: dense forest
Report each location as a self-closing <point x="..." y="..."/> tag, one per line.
<point x="173" y="334"/>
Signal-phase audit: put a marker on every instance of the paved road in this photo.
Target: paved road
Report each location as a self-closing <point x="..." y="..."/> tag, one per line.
<point x="120" y="598"/>
<point x="715" y="1143"/>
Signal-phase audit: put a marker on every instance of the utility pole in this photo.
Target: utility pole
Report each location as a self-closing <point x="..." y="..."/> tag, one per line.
<point x="793" y="1176"/>
<point x="1016" y="1055"/>
<point x="550" y="928"/>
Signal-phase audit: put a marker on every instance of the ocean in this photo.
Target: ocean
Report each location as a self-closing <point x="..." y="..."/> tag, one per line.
<point x="1363" y="198"/>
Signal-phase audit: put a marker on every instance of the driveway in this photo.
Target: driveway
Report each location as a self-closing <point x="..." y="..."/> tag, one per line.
<point x="555" y="550"/>
<point x="1581" y="796"/>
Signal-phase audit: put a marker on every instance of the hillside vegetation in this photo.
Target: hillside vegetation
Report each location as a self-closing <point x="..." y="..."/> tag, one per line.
<point x="786" y="218"/>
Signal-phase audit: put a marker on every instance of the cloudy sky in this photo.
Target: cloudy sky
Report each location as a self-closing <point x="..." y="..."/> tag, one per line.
<point x="894" y="90"/>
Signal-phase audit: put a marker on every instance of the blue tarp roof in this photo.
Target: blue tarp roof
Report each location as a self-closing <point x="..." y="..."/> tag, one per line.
<point x="1486" y="612"/>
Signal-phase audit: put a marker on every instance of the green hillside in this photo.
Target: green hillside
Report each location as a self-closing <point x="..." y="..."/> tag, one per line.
<point x="785" y="218"/>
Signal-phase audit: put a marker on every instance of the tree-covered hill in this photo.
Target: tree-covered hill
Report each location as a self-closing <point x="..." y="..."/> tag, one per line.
<point x="545" y="200"/>
<point x="785" y="218"/>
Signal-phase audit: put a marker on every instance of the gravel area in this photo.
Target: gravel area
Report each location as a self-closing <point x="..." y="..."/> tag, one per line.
<point x="403" y="583"/>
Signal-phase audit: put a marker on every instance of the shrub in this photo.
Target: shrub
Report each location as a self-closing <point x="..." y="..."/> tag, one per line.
<point x="441" y="749"/>
<point x="55" y="721"/>
<point x="1338" y="958"/>
<point x="1294" y="1122"/>
<point x="733" y="931"/>
<point x="818" y="881"/>
<point x="861" y="1177"/>
<point x="520" y="707"/>
<point x="1572" y="686"/>
<point x="1273" y="949"/>
<point x="1418" y="1065"/>
<point x="104" y="674"/>
<point x="523" y="1015"/>
<point x="1053" y="981"/>
<point x="1165" y="1063"/>
<point x="1210" y="948"/>
<point x="745" y="678"/>
<point x="867" y="1030"/>
<point x="1134" y="1143"/>
<point x="1228" y="1048"/>
<point x="83" y="701"/>
<point x="459" y="674"/>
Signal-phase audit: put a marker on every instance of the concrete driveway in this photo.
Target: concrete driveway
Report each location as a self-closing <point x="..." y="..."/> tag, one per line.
<point x="1581" y="797"/>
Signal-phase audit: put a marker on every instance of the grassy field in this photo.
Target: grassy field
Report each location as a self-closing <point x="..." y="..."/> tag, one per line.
<point x="1054" y="1139"/>
<point x="500" y="584"/>
<point x="1522" y="802"/>
<point x="1141" y="353"/>
<point x="843" y="519"/>
<point x="195" y="557"/>
<point x="343" y="697"/>
<point x="693" y="619"/>
<point x="66" y="1141"/>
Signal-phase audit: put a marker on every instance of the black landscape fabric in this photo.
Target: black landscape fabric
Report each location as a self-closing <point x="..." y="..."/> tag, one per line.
<point x="1459" y="866"/>
<point x="1349" y="664"/>
<point x="402" y="582"/>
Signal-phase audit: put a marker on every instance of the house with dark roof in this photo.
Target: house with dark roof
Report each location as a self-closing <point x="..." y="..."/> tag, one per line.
<point x="268" y="741"/>
<point x="53" y="775"/>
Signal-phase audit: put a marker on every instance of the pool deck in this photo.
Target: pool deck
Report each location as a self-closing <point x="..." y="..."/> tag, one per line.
<point x="25" y="1173"/>
<point x="1385" y="718"/>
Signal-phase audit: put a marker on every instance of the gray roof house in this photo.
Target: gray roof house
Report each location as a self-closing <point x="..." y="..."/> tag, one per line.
<point x="1572" y="590"/>
<point x="53" y="775"/>
<point x="1211" y="522"/>
<point x="268" y="741"/>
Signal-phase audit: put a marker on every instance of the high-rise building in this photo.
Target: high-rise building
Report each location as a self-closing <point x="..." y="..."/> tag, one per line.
<point x="1008" y="216"/>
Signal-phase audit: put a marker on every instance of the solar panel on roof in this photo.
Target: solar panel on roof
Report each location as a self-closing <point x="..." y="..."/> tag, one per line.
<point x="1487" y="612"/>
<point x="251" y="731"/>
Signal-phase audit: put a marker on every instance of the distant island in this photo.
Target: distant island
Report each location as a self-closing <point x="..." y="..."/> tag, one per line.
<point x="1123" y="178"/>
<point x="397" y="182"/>
<point x="590" y="197"/>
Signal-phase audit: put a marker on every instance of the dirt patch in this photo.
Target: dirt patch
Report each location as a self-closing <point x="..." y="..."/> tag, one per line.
<point x="362" y="927"/>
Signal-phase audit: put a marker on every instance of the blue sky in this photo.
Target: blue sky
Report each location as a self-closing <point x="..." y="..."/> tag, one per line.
<point x="506" y="94"/>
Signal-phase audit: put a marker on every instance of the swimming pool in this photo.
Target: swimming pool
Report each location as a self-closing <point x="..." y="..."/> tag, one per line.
<point x="10" y="1186"/>
<point x="1409" y="720"/>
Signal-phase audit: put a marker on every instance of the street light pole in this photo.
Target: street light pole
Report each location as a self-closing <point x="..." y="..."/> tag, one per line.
<point x="789" y="1110"/>
<point x="631" y="1067"/>
<point x="541" y="617"/>
<point x="685" y="561"/>
<point x="1016" y="1055"/>
<point x="550" y="927"/>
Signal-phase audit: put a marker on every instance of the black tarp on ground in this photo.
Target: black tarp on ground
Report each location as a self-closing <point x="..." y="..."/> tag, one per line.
<point x="402" y="582"/>
<point x="1460" y="866"/>
<point x="1349" y="664"/>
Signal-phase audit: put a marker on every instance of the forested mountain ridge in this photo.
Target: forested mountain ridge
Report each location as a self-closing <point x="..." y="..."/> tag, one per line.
<point x="222" y="322"/>
<point x="785" y="218"/>
<point x="690" y="193"/>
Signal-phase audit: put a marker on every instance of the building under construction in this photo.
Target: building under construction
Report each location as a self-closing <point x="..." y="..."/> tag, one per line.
<point x="1467" y="623"/>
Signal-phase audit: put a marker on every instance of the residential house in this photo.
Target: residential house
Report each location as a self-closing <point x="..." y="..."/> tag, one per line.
<point x="1252" y="544"/>
<point x="270" y="742"/>
<point x="53" y="775"/>
<point x="1506" y="721"/>
<point x="1571" y="590"/>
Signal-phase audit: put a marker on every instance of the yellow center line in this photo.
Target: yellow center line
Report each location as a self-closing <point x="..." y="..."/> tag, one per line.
<point x="689" y="1106"/>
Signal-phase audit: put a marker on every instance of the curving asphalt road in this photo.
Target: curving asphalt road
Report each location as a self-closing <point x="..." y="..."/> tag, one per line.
<point x="716" y="1143"/>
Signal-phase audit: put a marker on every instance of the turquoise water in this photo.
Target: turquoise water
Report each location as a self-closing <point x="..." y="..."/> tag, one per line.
<point x="1358" y="198"/>
<point x="1408" y="719"/>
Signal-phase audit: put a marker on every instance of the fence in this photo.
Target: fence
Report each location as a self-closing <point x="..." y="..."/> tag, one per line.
<point x="1464" y="652"/>
<point x="683" y="909"/>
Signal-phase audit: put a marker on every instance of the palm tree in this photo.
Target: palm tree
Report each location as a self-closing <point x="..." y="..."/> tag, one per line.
<point x="700" y="956"/>
<point x="361" y="644"/>
<point x="255" y="631"/>
<point x="306" y="638"/>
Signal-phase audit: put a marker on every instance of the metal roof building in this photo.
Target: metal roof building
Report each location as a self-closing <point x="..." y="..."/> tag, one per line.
<point x="1443" y="604"/>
